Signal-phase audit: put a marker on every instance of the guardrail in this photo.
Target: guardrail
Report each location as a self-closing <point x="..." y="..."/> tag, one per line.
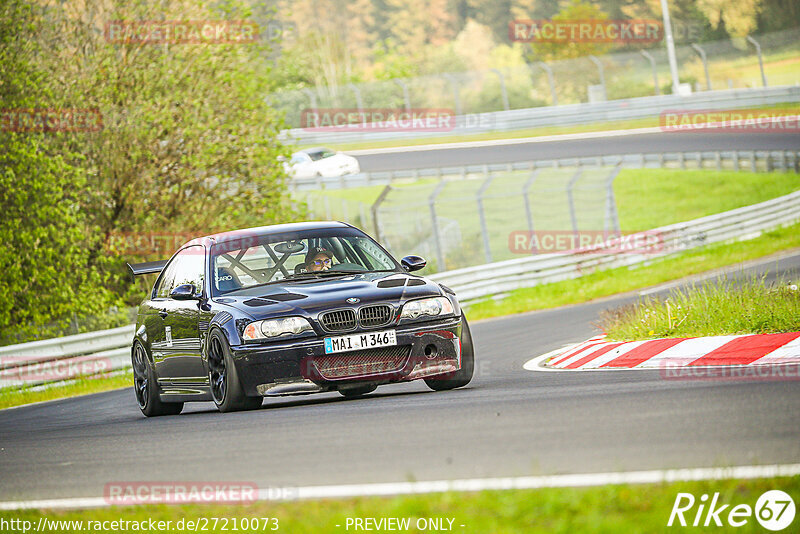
<point x="496" y="278"/>
<point x="566" y="115"/>
<point x="66" y="358"/>
<point x="752" y="160"/>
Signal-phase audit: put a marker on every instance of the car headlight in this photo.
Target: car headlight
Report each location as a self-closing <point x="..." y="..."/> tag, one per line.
<point x="276" y="327"/>
<point x="430" y="306"/>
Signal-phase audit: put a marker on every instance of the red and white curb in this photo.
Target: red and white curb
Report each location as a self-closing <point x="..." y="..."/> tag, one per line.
<point x="741" y="350"/>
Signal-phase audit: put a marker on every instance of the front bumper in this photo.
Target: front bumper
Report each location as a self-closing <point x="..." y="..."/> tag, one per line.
<point x="301" y="366"/>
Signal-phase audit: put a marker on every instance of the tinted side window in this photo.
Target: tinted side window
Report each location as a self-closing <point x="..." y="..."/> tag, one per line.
<point x="187" y="267"/>
<point x="191" y="268"/>
<point x="164" y="284"/>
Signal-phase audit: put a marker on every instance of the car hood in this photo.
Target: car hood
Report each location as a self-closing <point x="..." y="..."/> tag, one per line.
<point x="309" y="297"/>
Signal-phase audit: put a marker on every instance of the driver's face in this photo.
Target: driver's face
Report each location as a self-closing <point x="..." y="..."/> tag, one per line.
<point x="321" y="262"/>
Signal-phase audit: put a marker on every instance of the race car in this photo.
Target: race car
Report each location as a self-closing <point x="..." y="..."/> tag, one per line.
<point x="324" y="162"/>
<point x="291" y="309"/>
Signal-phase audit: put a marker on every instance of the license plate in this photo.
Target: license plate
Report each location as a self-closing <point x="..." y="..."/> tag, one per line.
<point x="367" y="340"/>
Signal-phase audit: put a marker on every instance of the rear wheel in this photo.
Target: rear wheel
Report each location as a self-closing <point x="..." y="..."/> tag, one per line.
<point x="463" y="376"/>
<point x="226" y="390"/>
<point x="352" y="393"/>
<point x="145" y="386"/>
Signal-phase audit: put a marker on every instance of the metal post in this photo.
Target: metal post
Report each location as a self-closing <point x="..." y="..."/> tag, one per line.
<point x="454" y="86"/>
<point x="611" y="203"/>
<point x="760" y="59"/>
<point x="600" y="70"/>
<point x="502" y="88"/>
<point x="436" y="237"/>
<point x="649" y="57"/>
<point x="702" y="54"/>
<point x="670" y="42"/>
<point x="482" y="216"/>
<point x="572" y="215"/>
<point x="374" y="209"/>
<point x="753" y="167"/>
<point x="718" y="159"/>
<point x="550" y="79"/>
<point x="525" y="191"/>
<point x="312" y="97"/>
<point x="357" y="92"/>
<point x="406" y="98"/>
<point x="735" y="160"/>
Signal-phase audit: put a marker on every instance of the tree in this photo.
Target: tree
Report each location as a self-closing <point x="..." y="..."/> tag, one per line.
<point x="188" y="143"/>
<point x="43" y="258"/>
<point x="575" y="10"/>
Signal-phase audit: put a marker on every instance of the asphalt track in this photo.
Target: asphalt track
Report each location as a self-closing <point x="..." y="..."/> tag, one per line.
<point x="634" y="143"/>
<point x="507" y="422"/>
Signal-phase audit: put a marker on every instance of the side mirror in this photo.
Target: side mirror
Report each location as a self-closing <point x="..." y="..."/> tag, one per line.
<point x="183" y="292"/>
<point x="413" y="263"/>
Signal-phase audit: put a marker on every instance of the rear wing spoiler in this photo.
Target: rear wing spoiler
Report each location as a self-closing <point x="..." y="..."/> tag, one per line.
<point x="148" y="267"/>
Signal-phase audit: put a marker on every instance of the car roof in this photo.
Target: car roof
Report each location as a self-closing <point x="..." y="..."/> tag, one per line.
<point x="209" y="240"/>
<point x="317" y="149"/>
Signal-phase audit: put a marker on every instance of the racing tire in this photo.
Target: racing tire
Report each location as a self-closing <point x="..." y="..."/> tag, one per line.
<point x="226" y="390"/>
<point x="352" y="393"/>
<point x="145" y="386"/>
<point x="463" y="376"/>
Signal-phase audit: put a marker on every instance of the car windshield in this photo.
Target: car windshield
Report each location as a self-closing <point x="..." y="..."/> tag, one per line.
<point x="245" y="260"/>
<point x="317" y="155"/>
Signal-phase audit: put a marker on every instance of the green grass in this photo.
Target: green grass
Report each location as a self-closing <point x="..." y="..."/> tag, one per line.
<point x="645" y="199"/>
<point x="650" y="198"/>
<point x="18" y="396"/>
<point x="613" y="281"/>
<point x="618" y="508"/>
<point x="722" y="307"/>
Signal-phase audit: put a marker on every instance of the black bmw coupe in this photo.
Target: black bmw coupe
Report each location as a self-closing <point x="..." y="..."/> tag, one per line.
<point x="287" y="310"/>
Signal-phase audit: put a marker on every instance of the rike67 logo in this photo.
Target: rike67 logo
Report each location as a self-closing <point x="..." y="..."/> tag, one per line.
<point x="774" y="510"/>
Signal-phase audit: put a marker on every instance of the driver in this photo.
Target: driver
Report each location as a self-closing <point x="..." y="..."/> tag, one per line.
<point x="318" y="259"/>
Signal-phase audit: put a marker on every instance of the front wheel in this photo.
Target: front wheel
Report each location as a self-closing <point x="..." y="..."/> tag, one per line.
<point x="463" y="376"/>
<point x="225" y="387"/>
<point x="145" y="386"/>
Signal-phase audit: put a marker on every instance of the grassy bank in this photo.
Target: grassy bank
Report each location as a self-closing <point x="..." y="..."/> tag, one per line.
<point x="620" y="508"/>
<point x="18" y="396"/>
<point x="721" y="307"/>
<point x="645" y="198"/>
<point x="612" y="281"/>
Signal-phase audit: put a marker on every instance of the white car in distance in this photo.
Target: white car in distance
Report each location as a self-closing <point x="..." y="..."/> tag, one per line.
<point x="321" y="162"/>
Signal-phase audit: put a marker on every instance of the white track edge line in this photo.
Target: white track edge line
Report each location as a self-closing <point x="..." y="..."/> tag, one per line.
<point x="477" y="484"/>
